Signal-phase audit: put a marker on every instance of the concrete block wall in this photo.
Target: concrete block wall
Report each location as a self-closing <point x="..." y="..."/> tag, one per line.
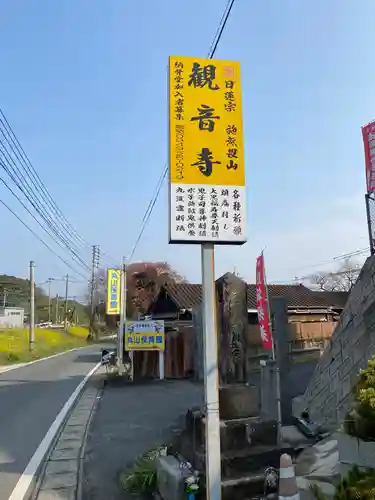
<point x="328" y="396"/>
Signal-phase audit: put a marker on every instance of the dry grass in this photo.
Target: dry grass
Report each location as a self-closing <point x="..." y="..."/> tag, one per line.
<point x="14" y="344"/>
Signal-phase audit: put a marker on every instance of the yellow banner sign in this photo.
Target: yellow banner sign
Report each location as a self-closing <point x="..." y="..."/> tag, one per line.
<point x="113" y="291"/>
<point x="144" y="336"/>
<point x="207" y="168"/>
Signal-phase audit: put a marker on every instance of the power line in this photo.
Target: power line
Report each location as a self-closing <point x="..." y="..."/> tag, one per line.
<point x="37" y="221"/>
<point x="152" y="203"/>
<point x="40" y="239"/>
<point x="36" y="180"/>
<point x="23" y="184"/>
<point x="20" y="170"/>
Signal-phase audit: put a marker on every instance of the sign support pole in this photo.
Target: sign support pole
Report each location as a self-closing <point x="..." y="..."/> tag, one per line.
<point x="211" y="383"/>
<point x="120" y="339"/>
<point x="161" y="365"/>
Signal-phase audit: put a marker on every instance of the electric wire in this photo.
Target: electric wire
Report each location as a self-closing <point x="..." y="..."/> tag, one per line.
<point x="41" y="240"/>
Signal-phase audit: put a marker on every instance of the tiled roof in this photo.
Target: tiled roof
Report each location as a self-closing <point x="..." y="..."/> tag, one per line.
<point x="187" y="296"/>
<point x="335" y="299"/>
<point x="297" y="296"/>
<point x="184" y="295"/>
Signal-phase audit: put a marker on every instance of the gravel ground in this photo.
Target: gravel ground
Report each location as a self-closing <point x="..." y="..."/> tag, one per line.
<point x="129" y="420"/>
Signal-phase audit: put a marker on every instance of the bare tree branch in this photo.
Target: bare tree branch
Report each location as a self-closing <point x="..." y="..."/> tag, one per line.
<point x="343" y="279"/>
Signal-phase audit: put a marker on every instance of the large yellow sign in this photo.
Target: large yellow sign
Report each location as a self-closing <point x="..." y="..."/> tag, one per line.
<point x="207" y="170"/>
<point x="113" y="291"/>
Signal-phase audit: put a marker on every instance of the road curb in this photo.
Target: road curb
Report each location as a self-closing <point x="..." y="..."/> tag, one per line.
<point x="59" y="475"/>
<point x="30" y="479"/>
<point x="80" y="472"/>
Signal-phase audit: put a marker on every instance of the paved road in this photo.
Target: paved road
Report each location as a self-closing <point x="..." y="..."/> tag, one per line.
<point x="30" y="399"/>
<point x="130" y="420"/>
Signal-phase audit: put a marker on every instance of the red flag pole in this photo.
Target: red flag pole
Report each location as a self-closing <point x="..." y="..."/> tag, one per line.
<point x="278" y="391"/>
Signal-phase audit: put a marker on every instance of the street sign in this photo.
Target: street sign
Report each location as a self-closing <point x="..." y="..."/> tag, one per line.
<point x="144" y="336"/>
<point x="207" y="167"/>
<point x="113" y="291"/>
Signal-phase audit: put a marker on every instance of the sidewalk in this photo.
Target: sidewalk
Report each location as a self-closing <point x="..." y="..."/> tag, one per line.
<point x="129" y="420"/>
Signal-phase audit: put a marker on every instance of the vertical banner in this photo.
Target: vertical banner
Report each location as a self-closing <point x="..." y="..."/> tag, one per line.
<point x="113" y="291"/>
<point x="262" y="304"/>
<point x="206" y="155"/>
<point x="368" y="134"/>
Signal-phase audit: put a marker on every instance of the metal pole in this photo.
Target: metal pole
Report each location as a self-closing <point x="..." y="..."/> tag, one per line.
<point x="49" y="299"/>
<point x="369" y="225"/>
<point x="161" y="365"/>
<point x="211" y="381"/>
<point x="66" y="303"/>
<point x="32" y="306"/>
<point x="120" y="335"/>
<point x="278" y="391"/>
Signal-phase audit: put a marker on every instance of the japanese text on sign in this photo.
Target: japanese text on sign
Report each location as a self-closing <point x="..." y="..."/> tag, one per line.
<point x="207" y="175"/>
<point x="145" y="336"/>
<point x="113" y="291"/>
<point x="262" y="304"/>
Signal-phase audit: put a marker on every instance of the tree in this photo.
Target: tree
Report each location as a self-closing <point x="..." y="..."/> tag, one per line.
<point x="341" y="280"/>
<point x="144" y="280"/>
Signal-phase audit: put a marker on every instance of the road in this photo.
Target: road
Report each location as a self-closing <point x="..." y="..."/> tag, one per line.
<point x="31" y="397"/>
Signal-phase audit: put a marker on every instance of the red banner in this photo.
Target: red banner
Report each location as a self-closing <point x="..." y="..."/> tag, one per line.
<point x="262" y="304"/>
<point x="368" y="134"/>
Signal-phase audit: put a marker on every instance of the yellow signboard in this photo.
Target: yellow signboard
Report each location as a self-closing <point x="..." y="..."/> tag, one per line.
<point x="207" y="170"/>
<point x="113" y="291"/>
<point x="144" y="336"/>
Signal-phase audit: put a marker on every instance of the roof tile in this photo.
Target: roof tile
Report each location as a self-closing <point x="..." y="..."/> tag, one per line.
<point x="187" y="295"/>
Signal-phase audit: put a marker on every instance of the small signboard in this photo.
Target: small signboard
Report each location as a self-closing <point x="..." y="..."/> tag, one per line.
<point x="144" y="336"/>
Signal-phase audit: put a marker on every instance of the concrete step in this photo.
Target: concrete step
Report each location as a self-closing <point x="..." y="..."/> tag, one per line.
<point x="248" y="486"/>
<point x="234" y="433"/>
<point x="245" y="461"/>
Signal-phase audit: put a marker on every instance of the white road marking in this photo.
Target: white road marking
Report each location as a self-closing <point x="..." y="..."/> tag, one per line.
<point x="32" y="467"/>
<point x="21" y="365"/>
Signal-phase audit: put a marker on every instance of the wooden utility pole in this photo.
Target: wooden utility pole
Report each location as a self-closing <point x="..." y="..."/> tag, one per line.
<point x="94" y="266"/>
<point x="66" y="304"/>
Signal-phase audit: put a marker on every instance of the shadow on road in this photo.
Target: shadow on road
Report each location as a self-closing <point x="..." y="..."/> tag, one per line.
<point x="88" y="358"/>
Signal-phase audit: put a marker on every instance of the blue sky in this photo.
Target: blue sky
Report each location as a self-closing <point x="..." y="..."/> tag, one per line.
<point x="84" y="85"/>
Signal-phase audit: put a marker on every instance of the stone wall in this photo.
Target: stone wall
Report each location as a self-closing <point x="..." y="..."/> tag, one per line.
<point x="328" y="396"/>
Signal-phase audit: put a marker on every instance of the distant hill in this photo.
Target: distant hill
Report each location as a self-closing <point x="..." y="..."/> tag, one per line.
<point x="15" y="292"/>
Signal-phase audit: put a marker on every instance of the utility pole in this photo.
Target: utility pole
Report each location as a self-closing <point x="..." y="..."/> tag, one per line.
<point x="32" y="306"/>
<point x="49" y="299"/>
<point x="66" y="303"/>
<point x="57" y="309"/>
<point x="94" y="266"/>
